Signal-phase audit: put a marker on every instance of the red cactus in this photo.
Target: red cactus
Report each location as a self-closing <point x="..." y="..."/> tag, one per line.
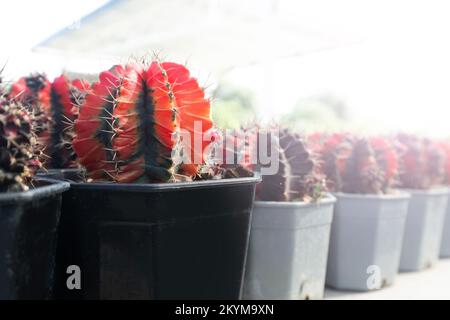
<point x="334" y="151"/>
<point x="362" y="173"/>
<point x="387" y="158"/>
<point x="55" y="107"/>
<point x="192" y="109"/>
<point x="134" y="121"/>
<point x="66" y="96"/>
<point x="435" y="162"/>
<point x="316" y="141"/>
<point x="358" y="165"/>
<point x="33" y="90"/>
<point x="422" y="162"/>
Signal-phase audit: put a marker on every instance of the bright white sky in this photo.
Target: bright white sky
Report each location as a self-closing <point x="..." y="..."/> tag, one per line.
<point x="25" y="23"/>
<point x="397" y="77"/>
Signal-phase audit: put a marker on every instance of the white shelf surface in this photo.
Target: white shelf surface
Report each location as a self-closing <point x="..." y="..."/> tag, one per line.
<point x="433" y="283"/>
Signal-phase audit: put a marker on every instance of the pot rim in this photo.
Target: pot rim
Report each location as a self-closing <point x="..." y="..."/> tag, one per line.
<point x="164" y="186"/>
<point x="400" y="194"/>
<point x="49" y="188"/>
<point x="327" y="199"/>
<point x="53" y="170"/>
<point x="439" y="190"/>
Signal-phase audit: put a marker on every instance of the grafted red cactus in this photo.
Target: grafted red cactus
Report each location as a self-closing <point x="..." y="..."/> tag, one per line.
<point x="333" y="152"/>
<point x="66" y="97"/>
<point x="55" y="107"/>
<point x="387" y="159"/>
<point x="297" y="178"/>
<point x="435" y="162"/>
<point x="359" y="165"/>
<point x="135" y="120"/>
<point x="362" y="173"/>
<point x="412" y="171"/>
<point x="34" y="92"/>
<point x="422" y="162"/>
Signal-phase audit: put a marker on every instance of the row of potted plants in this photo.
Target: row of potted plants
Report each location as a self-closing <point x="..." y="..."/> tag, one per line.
<point x="391" y="207"/>
<point x="29" y="208"/>
<point x="139" y="220"/>
<point x="153" y="212"/>
<point x="390" y="215"/>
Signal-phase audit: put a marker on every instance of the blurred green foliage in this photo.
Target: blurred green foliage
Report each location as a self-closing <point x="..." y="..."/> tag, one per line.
<point x="317" y="113"/>
<point x="232" y="106"/>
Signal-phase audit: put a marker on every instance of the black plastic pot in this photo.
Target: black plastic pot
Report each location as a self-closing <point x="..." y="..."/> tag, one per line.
<point x="156" y="241"/>
<point x="28" y="224"/>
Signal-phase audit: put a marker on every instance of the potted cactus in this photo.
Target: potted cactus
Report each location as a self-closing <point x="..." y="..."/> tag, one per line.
<point x="290" y="227"/>
<point x="422" y="175"/>
<point x="29" y="210"/>
<point x="445" y="241"/>
<point x="146" y="223"/>
<point x="55" y="106"/>
<point x="369" y="217"/>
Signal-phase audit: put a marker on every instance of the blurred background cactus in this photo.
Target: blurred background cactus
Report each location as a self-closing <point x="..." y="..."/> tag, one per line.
<point x="19" y="156"/>
<point x="388" y="161"/>
<point x="423" y="162"/>
<point x="297" y="178"/>
<point x="362" y="174"/>
<point x="55" y="107"/>
<point x="359" y="165"/>
<point x="332" y="151"/>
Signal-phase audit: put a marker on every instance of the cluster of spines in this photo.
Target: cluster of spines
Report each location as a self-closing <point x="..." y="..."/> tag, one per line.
<point x="18" y="156"/>
<point x="33" y="92"/>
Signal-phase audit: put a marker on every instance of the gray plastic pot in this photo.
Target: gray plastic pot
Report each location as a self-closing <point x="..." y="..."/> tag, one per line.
<point x="288" y="250"/>
<point x="445" y="241"/>
<point x="423" y="230"/>
<point x="366" y="240"/>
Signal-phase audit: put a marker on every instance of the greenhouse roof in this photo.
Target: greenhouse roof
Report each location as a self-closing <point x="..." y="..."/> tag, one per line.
<point x="214" y="34"/>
